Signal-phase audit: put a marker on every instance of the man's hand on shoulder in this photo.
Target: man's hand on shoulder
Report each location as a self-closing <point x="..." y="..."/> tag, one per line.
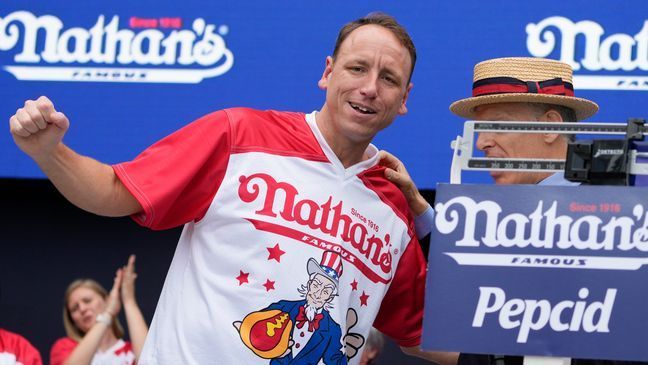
<point x="397" y="173"/>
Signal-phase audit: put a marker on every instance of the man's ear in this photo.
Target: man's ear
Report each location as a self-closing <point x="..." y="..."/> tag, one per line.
<point x="551" y="115"/>
<point x="550" y="138"/>
<point x="328" y="68"/>
<point x="403" y="107"/>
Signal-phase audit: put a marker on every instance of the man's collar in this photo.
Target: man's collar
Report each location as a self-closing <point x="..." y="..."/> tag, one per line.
<point x="557" y="179"/>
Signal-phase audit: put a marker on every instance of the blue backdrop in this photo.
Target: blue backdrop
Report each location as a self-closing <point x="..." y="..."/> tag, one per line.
<point x="277" y="51"/>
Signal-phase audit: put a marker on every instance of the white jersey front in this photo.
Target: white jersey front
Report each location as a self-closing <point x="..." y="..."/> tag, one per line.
<point x="286" y="256"/>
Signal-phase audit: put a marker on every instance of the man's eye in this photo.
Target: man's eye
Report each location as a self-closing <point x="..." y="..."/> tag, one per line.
<point x="390" y="80"/>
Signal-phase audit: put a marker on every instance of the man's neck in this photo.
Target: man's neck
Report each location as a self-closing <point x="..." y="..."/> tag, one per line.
<point x="347" y="151"/>
<point x="557" y="151"/>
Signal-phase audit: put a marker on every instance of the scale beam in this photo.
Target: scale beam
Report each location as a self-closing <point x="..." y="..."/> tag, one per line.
<point x="463" y="146"/>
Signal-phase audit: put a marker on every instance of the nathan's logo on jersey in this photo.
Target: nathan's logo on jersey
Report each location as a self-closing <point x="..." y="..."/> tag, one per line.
<point x="485" y="227"/>
<point x="281" y="199"/>
<point x="153" y="50"/>
<point x="586" y="47"/>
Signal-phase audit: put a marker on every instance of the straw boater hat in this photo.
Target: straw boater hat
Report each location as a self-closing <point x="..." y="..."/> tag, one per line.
<point x="523" y="79"/>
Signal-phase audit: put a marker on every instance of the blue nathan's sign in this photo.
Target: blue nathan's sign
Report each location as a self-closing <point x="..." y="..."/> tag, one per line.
<point x="129" y="72"/>
<point x="108" y="51"/>
<point x="539" y="270"/>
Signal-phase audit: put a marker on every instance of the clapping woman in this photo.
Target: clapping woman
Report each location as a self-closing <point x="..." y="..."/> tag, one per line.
<point x="94" y="334"/>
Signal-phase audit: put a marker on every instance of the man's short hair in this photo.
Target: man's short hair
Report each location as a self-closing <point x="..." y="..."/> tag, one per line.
<point x="568" y="114"/>
<point x="386" y="21"/>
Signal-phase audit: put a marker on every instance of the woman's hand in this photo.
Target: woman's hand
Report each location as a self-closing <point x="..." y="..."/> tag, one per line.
<point x="128" y="281"/>
<point x="137" y="328"/>
<point x="113" y="304"/>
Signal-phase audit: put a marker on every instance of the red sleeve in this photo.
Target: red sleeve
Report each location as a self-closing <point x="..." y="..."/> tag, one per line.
<point x="176" y="179"/>
<point x="61" y="350"/>
<point x="401" y="312"/>
<point x="30" y="356"/>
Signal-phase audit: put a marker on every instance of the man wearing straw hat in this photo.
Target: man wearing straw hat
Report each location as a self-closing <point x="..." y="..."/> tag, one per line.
<point x="523" y="89"/>
<point x="510" y="89"/>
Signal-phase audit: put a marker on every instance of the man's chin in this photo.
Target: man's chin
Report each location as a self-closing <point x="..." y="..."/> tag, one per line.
<point x="497" y="177"/>
<point x="503" y="178"/>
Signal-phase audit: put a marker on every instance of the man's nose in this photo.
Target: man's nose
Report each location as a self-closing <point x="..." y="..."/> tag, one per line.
<point x="369" y="86"/>
<point x="485" y="141"/>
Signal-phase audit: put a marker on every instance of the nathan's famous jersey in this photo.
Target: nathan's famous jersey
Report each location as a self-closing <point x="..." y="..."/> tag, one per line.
<point x="121" y="353"/>
<point x="285" y="255"/>
<point x="16" y="350"/>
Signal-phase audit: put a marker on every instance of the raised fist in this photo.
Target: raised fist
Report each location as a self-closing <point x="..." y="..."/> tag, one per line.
<point x="37" y="128"/>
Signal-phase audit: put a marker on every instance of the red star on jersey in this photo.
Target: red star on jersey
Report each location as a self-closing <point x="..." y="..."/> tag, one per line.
<point x="275" y="253"/>
<point x="363" y="298"/>
<point x="243" y="277"/>
<point x="354" y="285"/>
<point x="269" y="285"/>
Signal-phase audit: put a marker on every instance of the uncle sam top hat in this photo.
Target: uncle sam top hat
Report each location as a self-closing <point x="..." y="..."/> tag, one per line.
<point x="523" y="79"/>
<point x="330" y="266"/>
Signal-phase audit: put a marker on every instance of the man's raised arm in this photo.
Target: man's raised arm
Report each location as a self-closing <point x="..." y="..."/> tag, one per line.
<point x="38" y="130"/>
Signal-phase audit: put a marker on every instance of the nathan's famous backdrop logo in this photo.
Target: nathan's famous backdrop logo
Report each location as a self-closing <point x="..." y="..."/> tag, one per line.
<point x="586" y="47"/>
<point x="156" y="50"/>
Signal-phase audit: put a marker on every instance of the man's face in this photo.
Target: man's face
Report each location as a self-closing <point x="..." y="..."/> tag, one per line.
<point x="512" y="145"/>
<point x="367" y="84"/>
<point x="320" y="289"/>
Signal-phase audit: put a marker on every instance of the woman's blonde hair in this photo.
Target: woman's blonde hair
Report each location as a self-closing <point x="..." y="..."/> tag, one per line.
<point x="70" y="328"/>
